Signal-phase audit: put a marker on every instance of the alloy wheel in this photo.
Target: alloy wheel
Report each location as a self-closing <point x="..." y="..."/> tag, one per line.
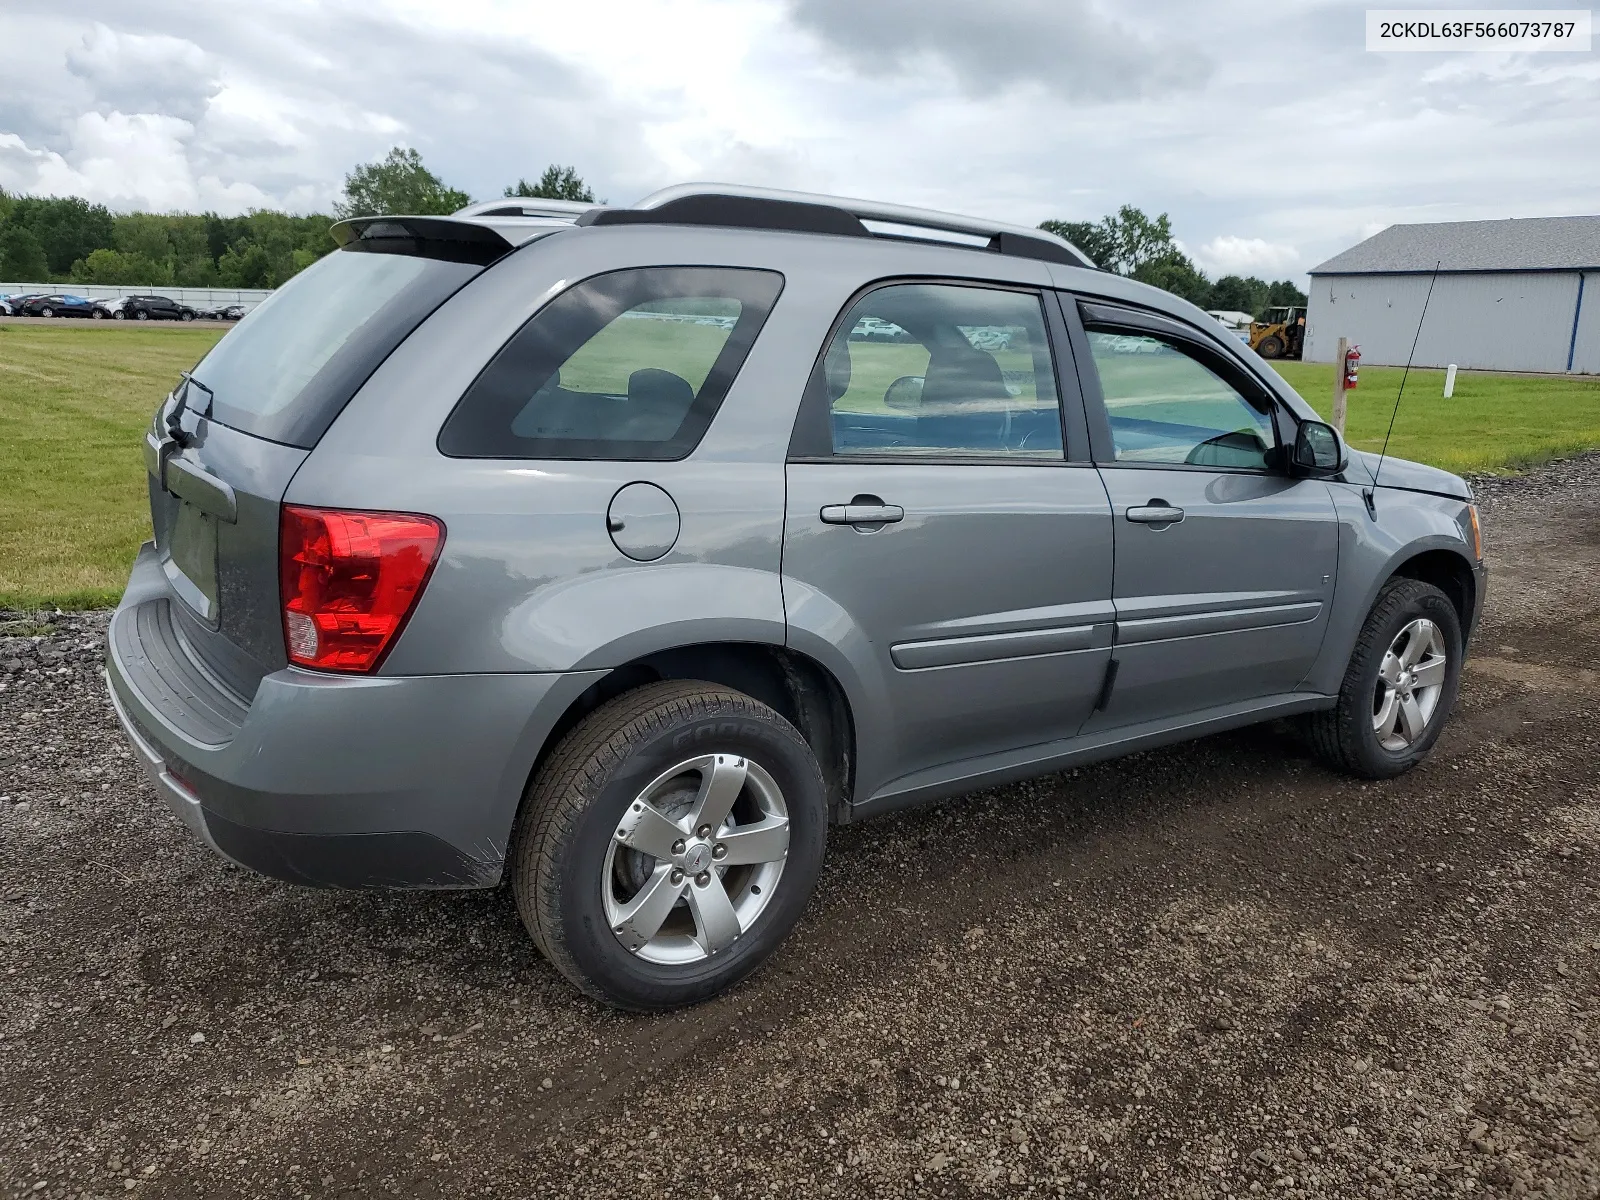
<point x="695" y="859"/>
<point x="1411" y="679"/>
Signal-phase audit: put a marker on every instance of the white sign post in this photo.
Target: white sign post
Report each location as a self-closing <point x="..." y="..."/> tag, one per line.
<point x="1450" y="381"/>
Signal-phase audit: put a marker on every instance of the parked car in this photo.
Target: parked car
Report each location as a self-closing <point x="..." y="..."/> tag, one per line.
<point x="107" y="307"/>
<point x="221" y="312"/>
<point x="459" y="577"/>
<point x="55" y="305"/>
<point x="152" y="308"/>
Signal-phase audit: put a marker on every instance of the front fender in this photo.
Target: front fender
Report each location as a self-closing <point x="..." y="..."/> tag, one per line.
<point x="1372" y="547"/>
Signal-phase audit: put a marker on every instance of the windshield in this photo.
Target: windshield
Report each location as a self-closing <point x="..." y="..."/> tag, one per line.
<point x="289" y="367"/>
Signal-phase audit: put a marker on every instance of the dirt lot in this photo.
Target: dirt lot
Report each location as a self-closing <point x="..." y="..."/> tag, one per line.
<point x="1213" y="970"/>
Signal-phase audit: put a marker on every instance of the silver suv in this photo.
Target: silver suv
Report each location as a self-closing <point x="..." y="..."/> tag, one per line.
<point x="617" y="552"/>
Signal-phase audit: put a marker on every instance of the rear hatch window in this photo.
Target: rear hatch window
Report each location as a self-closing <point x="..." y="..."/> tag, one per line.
<point x="289" y="367"/>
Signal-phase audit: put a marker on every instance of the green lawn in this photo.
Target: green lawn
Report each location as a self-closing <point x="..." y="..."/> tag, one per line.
<point x="1492" y="423"/>
<point x="73" y="404"/>
<point x="74" y="401"/>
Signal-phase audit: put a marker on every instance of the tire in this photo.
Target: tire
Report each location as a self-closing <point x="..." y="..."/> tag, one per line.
<point x="98" y="315"/>
<point x="47" y="312"/>
<point x="575" y="869"/>
<point x="1361" y="735"/>
<point x="1271" y="346"/>
<point x="141" y="315"/>
<point x="188" y="316"/>
<point x="119" y="315"/>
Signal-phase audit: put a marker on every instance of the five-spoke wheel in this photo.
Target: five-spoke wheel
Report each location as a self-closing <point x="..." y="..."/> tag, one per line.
<point x="669" y="844"/>
<point x="1399" y="686"/>
<point x="695" y="859"/>
<point x="1410" y="681"/>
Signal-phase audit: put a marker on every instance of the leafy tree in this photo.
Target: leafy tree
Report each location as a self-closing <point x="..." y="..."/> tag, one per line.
<point x="1283" y="292"/>
<point x="1233" y="293"/>
<point x="1173" y="272"/>
<point x="396" y="184"/>
<point x="1090" y="237"/>
<point x="247" y="267"/>
<point x="22" y="257"/>
<point x="68" y="227"/>
<point x="122" y="267"/>
<point x="557" y="183"/>
<point x="1123" y="242"/>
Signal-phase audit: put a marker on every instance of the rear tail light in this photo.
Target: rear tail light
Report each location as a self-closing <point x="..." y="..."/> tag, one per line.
<point x="349" y="580"/>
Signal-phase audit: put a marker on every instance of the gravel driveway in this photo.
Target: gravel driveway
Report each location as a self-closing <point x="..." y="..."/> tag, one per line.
<point x="1211" y="970"/>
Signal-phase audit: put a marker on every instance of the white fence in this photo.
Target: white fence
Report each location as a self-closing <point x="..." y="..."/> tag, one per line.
<point x="207" y="297"/>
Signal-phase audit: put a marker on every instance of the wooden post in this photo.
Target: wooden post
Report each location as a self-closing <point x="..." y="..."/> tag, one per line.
<point x="1338" y="386"/>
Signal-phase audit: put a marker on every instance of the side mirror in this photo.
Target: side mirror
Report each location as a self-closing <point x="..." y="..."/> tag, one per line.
<point x="1318" y="451"/>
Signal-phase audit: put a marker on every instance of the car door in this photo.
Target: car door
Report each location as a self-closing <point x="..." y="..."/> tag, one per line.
<point x="941" y="548"/>
<point x="1224" y="561"/>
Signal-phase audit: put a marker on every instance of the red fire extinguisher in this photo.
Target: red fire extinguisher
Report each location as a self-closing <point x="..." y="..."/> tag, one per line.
<point x="1352" y="363"/>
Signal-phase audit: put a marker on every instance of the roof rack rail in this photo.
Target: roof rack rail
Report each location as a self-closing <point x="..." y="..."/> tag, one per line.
<point x="805" y="212"/>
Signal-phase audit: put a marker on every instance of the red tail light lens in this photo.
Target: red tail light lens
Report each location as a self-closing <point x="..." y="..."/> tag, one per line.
<point x="349" y="580"/>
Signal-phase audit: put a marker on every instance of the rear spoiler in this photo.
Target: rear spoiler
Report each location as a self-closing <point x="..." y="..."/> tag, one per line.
<point x="480" y="239"/>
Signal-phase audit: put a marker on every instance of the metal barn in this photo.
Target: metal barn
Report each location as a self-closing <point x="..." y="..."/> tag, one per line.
<point x="1517" y="295"/>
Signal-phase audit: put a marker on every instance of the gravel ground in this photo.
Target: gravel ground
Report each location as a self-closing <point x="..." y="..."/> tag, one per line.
<point x="1207" y="971"/>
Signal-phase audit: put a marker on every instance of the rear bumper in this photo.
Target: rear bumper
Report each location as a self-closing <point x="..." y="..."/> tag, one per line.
<point x="332" y="780"/>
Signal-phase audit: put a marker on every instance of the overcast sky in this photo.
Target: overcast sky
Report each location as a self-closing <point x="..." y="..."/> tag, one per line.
<point x="1268" y="132"/>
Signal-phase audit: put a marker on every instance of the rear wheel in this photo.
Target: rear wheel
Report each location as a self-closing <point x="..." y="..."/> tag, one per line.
<point x="1270" y="346"/>
<point x="1399" y="686"/>
<point x="669" y="844"/>
<point x="141" y="315"/>
<point x="47" y="312"/>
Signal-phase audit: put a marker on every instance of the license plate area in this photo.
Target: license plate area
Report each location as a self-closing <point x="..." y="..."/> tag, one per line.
<point x="190" y="563"/>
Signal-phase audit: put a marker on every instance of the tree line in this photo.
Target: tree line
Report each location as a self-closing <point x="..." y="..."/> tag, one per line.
<point x="69" y="241"/>
<point x="1142" y="247"/>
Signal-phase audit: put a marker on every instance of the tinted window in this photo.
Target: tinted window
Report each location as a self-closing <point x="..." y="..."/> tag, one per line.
<point x="630" y="365"/>
<point x="925" y="369"/>
<point x="1166" y="406"/>
<point x="287" y="369"/>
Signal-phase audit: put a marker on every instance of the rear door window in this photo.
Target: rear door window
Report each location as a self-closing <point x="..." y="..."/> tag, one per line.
<point x="288" y="368"/>
<point x="631" y="365"/>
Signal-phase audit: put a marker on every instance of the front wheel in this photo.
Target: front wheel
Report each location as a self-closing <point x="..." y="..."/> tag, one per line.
<point x="188" y="316"/>
<point x="1399" y="687"/>
<point x="98" y="315"/>
<point x="669" y="844"/>
<point x="1270" y="346"/>
<point x="119" y="315"/>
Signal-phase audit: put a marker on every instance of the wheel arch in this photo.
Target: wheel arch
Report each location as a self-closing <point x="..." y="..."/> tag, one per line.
<point x="1449" y="571"/>
<point x="794" y="685"/>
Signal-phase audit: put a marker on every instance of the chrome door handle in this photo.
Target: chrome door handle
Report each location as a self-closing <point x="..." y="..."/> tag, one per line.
<point x="1157" y="512"/>
<point x="861" y="514"/>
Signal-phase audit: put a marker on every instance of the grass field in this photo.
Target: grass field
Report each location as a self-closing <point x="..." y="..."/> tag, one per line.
<point x="74" y="402"/>
<point x="1492" y="423"/>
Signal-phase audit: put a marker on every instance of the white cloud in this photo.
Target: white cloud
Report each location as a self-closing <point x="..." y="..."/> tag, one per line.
<point x="1269" y="153"/>
<point x="1228" y="254"/>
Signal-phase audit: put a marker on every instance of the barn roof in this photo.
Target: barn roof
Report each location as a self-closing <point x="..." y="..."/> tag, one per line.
<point x="1530" y="244"/>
